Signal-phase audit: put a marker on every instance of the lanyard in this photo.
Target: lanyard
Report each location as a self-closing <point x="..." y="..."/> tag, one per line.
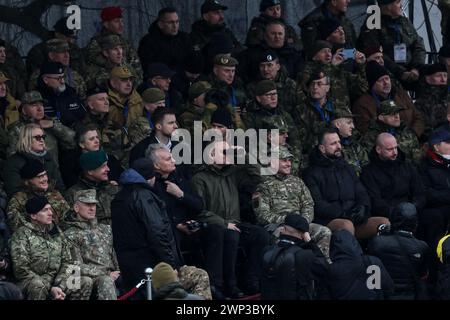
<point x="397" y="29"/>
<point x="325" y="116"/>
<point x="149" y="118"/>
<point x="233" y="98"/>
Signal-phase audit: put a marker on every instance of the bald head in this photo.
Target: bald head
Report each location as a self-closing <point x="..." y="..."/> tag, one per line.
<point x="386" y="147"/>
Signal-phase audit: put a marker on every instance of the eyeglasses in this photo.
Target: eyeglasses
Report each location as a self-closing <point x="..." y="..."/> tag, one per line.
<point x="40" y="138"/>
<point x="60" y="78"/>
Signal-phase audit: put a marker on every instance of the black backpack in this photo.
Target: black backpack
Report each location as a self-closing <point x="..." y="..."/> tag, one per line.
<point x="282" y="278"/>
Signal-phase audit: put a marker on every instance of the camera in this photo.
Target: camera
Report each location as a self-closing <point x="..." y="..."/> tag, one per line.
<point x="195" y="225"/>
<point x="348" y="53"/>
<point x="384" y="229"/>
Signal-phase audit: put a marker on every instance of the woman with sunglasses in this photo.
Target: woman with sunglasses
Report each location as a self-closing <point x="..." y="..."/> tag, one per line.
<point x="31" y="145"/>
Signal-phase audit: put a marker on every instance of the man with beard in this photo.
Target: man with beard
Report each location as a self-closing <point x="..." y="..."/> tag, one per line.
<point x="340" y="200"/>
<point x="62" y="100"/>
<point x="36" y="183"/>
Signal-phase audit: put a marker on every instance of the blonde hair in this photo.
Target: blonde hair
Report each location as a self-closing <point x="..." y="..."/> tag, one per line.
<point x="26" y="138"/>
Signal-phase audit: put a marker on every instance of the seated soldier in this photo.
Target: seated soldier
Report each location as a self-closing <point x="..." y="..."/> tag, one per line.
<point x="35" y="183"/>
<point x="91" y="245"/>
<point x="94" y="165"/>
<point x="284" y="193"/>
<point x="389" y="121"/>
<point x="341" y="201"/>
<point x="41" y="261"/>
<point x="288" y="265"/>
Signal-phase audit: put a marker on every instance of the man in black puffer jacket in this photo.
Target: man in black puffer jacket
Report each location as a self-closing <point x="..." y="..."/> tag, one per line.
<point x="404" y="256"/>
<point x="390" y="179"/>
<point x="341" y="201"/>
<point x="142" y="233"/>
<point x="348" y="277"/>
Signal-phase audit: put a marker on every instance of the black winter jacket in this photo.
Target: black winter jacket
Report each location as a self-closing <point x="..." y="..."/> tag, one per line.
<point x="394" y="250"/>
<point x="141" y="228"/>
<point x="334" y="186"/>
<point x="435" y="173"/>
<point x="392" y="182"/>
<point x="347" y="276"/>
<point x="158" y="47"/>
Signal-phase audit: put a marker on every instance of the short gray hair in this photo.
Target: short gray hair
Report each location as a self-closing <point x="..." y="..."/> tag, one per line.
<point x="151" y="151"/>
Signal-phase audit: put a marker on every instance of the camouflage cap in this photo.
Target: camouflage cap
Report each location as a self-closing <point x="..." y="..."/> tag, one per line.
<point x="225" y="60"/>
<point x="121" y="72"/>
<point x="198" y="89"/>
<point x="388" y="107"/>
<point x="31" y="97"/>
<point x="110" y="41"/>
<point x="86" y="196"/>
<point x="275" y="122"/>
<point x="284" y="153"/>
<point x="153" y="95"/>
<point x="342" y="113"/>
<point x="57" y="45"/>
<point x="3" y="77"/>
<point x="265" y="86"/>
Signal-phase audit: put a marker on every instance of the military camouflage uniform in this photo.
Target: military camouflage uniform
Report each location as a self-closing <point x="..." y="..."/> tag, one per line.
<point x="259" y="116"/>
<point x="309" y="26"/>
<point x="71" y="77"/>
<point x="38" y="54"/>
<point x="91" y="247"/>
<point x="354" y="152"/>
<point x="122" y="113"/>
<point x="283" y="194"/>
<point x="406" y="139"/>
<point x="97" y="75"/>
<point x="236" y="90"/>
<point x="195" y="113"/>
<point x="105" y="193"/>
<point x="286" y="88"/>
<point x="57" y="136"/>
<point x="387" y="37"/>
<point x="433" y="103"/>
<point x="345" y="86"/>
<point x="17" y="216"/>
<point x="40" y="261"/>
<point x="94" y="55"/>
<point x="15" y="84"/>
<point x="255" y="35"/>
<point x="195" y="280"/>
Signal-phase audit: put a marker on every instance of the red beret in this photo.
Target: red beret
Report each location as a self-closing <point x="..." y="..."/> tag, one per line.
<point x="111" y="13"/>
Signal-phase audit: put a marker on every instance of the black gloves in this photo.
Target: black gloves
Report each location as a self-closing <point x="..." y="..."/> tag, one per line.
<point x="358" y="214"/>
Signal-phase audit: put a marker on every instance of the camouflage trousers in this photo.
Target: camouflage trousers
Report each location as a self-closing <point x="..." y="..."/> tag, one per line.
<point x="195" y="280"/>
<point x="106" y="289"/>
<point x="39" y="289"/>
<point x="321" y="235"/>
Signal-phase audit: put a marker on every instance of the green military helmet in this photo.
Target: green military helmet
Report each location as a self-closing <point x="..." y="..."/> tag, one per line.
<point x="86" y="196"/>
<point x="388" y="107"/>
<point x="275" y="122"/>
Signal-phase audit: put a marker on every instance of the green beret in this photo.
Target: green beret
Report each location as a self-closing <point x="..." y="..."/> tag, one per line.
<point x="265" y="86"/>
<point x="198" y="89"/>
<point x="92" y="160"/>
<point x="153" y="95"/>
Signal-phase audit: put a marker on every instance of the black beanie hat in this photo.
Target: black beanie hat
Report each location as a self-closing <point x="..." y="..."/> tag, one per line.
<point x="374" y="71"/>
<point x="430" y="69"/>
<point x="144" y="167"/>
<point x="327" y="27"/>
<point x="222" y="116"/>
<point x="36" y="204"/>
<point x="31" y="169"/>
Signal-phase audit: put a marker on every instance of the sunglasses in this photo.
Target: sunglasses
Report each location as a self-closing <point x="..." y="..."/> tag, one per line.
<point x="40" y="138"/>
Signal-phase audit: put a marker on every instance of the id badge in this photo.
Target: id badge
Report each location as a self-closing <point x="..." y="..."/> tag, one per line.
<point x="400" y="53"/>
